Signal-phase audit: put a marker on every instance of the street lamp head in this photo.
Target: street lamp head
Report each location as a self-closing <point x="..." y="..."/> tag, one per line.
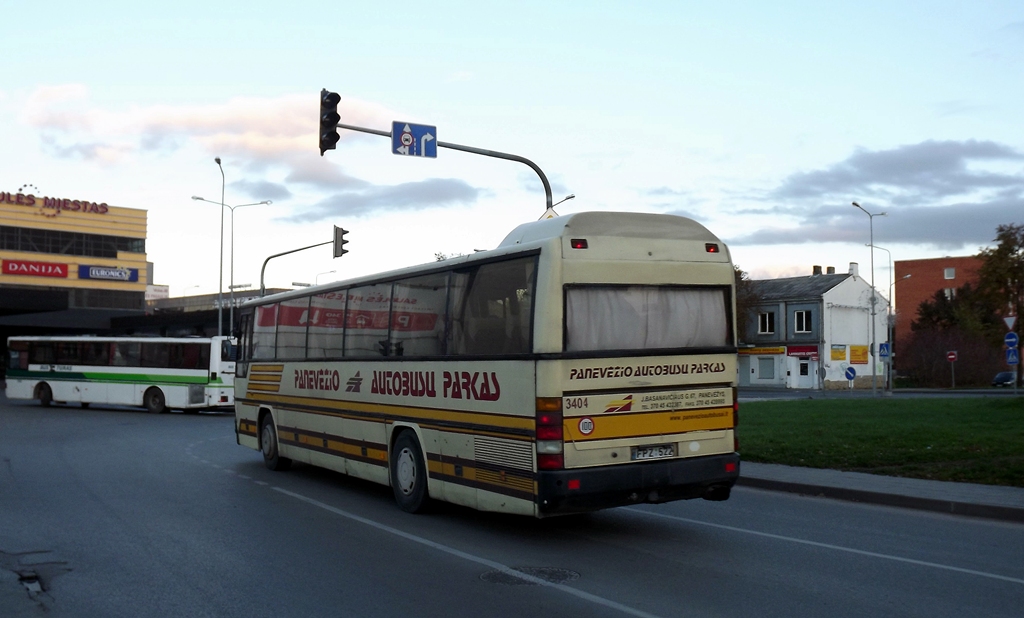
<point x="217" y="160"/>
<point x="196" y="197"/>
<point x="266" y="202"/>
<point x="855" y="204"/>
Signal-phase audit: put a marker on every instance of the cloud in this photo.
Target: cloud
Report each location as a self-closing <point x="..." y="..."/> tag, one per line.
<point x="936" y="194"/>
<point x="930" y="170"/>
<point x="262" y="189"/>
<point x="418" y="195"/>
<point x="255" y="128"/>
<point x="1016" y="28"/>
<point x="263" y="136"/>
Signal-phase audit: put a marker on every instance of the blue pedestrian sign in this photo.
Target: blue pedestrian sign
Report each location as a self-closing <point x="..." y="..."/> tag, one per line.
<point x="1012" y="356"/>
<point x="883" y="350"/>
<point x="413" y="140"/>
<point x="851" y="373"/>
<point x="1011" y="340"/>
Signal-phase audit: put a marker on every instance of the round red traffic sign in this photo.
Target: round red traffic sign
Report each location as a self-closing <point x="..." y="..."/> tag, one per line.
<point x="951" y="356"/>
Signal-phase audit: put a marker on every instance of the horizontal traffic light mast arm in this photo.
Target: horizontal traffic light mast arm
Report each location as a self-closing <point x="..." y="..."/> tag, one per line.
<point x="479" y="151"/>
<point x="263" y="288"/>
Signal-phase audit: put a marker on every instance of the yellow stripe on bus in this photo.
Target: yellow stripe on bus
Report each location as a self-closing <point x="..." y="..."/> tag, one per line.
<point x="267" y="368"/>
<point x="265" y="377"/>
<point x="522" y="423"/>
<point x="270" y="388"/>
<point x="615" y="426"/>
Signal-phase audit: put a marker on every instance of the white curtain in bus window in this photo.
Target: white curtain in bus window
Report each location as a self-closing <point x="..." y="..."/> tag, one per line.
<point x="327" y="325"/>
<point x="491" y="308"/>
<point x="264" y="331"/>
<point x="366" y="321"/>
<point x="292" y="317"/>
<point x="417" y="315"/>
<point x="644" y="318"/>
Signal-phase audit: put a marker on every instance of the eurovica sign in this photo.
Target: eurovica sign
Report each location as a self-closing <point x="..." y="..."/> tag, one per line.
<point x="108" y="273"/>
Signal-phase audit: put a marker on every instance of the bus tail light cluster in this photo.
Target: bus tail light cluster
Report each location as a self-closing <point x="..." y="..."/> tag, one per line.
<point x="735" y="419"/>
<point x="549" y="433"/>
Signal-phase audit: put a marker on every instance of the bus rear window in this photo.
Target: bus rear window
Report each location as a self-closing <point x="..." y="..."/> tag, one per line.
<point x="641" y="317"/>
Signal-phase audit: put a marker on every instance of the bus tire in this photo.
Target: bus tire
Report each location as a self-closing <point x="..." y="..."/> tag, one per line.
<point x="84" y="404"/>
<point x="45" y="395"/>
<point x="409" y="474"/>
<point x="154" y="400"/>
<point x="270" y="447"/>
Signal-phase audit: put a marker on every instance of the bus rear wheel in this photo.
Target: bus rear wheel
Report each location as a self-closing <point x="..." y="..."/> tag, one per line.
<point x="154" y="401"/>
<point x="409" y="474"/>
<point x="45" y="395"/>
<point x="270" y="448"/>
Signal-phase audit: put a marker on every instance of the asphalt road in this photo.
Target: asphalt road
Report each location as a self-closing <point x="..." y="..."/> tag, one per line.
<point x="122" y="513"/>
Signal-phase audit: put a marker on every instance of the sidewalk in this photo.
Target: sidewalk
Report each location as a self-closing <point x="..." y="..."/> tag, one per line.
<point x="988" y="501"/>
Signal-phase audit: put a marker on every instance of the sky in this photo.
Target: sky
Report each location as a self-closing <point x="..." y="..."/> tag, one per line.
<point x="762" y="121"/>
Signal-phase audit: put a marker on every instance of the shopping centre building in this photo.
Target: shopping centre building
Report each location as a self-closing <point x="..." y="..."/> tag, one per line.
<point x="69" y="265"/>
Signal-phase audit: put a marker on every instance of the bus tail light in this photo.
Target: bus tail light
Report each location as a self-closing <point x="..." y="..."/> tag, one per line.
<point x="549" y="433"/>
<point x="711" y="247"/>
<point x="735" y="420"/>
<point x="578" y="243"/>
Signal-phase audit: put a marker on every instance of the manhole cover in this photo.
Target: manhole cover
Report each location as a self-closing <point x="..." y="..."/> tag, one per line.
<point x="548" y="574"/>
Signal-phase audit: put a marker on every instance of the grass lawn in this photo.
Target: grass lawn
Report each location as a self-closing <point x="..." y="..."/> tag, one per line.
<point x="978" y="440"/>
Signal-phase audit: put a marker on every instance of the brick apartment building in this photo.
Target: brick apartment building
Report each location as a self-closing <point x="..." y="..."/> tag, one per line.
<point x="926" y="278"/>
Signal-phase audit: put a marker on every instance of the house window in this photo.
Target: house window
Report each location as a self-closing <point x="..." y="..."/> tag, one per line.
<point x="949" y="273"/>
<point x="803" y="321"/>
<point x="950" y="293"/>
<point x="766" y="323"/>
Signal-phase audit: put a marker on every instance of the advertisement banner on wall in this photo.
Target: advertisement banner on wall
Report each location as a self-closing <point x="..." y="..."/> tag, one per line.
<point x="108" y="273"/>
<point x="803" y="351"/>
<point x="858" y="355"/>
<point x="838" y="352"/>
<point x="35" y="269"/>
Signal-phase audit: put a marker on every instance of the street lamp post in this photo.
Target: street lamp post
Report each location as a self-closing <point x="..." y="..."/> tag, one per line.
<point x="231" y="285"/>
<point x="874" y="299"/>
<point x="329" y="272"/>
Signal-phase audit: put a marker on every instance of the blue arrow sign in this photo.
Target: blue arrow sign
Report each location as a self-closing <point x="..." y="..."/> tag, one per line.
<point x="413" y="140"/>
<point x="1012" y="357"/>
<point x="1011" y="340"/>
<point x="851" y="373"/>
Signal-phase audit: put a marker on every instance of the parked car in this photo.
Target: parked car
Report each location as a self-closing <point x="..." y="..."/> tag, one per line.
<point x="1004" y="378"/>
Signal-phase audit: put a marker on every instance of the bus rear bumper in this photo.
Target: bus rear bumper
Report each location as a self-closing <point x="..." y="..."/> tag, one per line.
<point x="588" y="489"/>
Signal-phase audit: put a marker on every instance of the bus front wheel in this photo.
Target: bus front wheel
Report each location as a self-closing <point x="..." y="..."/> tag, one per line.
<point x="409" y="474"/>
<point x="45" y="395"/>
<point x="269" y="446"/>
<point x="154" y="401"/>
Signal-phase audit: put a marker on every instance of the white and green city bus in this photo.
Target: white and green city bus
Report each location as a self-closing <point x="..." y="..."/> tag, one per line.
<point x="158" y="373"/>
<point x="587" y="362"/>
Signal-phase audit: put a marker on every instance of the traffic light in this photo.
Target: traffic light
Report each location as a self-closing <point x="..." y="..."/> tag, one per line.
<point x="339" y="242"/>
<point x="329" y="119"/>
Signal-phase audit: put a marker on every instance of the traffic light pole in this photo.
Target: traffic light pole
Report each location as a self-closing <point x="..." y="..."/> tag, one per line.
<point x="470" y="149"/>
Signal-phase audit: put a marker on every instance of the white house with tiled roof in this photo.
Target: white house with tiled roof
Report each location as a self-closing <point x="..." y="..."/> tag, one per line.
<point x="806" y="332"/>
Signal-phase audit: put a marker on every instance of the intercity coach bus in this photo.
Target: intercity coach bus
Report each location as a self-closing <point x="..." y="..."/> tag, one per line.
<point x="185" y="373"/>
<point x="587" y="362"/>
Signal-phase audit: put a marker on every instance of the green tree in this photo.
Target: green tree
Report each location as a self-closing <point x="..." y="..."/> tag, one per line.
<point x="746" y="298"/>
<point x="1002" y="270"/>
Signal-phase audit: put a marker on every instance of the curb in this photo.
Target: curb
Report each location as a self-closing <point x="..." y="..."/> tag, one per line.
<point x="952" y="507"/>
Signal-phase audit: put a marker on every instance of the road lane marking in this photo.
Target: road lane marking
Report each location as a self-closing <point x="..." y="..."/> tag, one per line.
<point x="851" y="550"/>
<point x="470" y="557"/>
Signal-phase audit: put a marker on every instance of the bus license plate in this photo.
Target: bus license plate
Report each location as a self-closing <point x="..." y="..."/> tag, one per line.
<point x="656" y="451"/>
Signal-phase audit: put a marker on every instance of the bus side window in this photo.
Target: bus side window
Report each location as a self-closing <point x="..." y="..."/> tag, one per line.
<point x="491" y="308"/>
<point x="41" y="352"/>
<point x="243" y="352"/>
<point x="125" y="354"/>
<point x="95" y="354"/>
<point x="264" y="332"/>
